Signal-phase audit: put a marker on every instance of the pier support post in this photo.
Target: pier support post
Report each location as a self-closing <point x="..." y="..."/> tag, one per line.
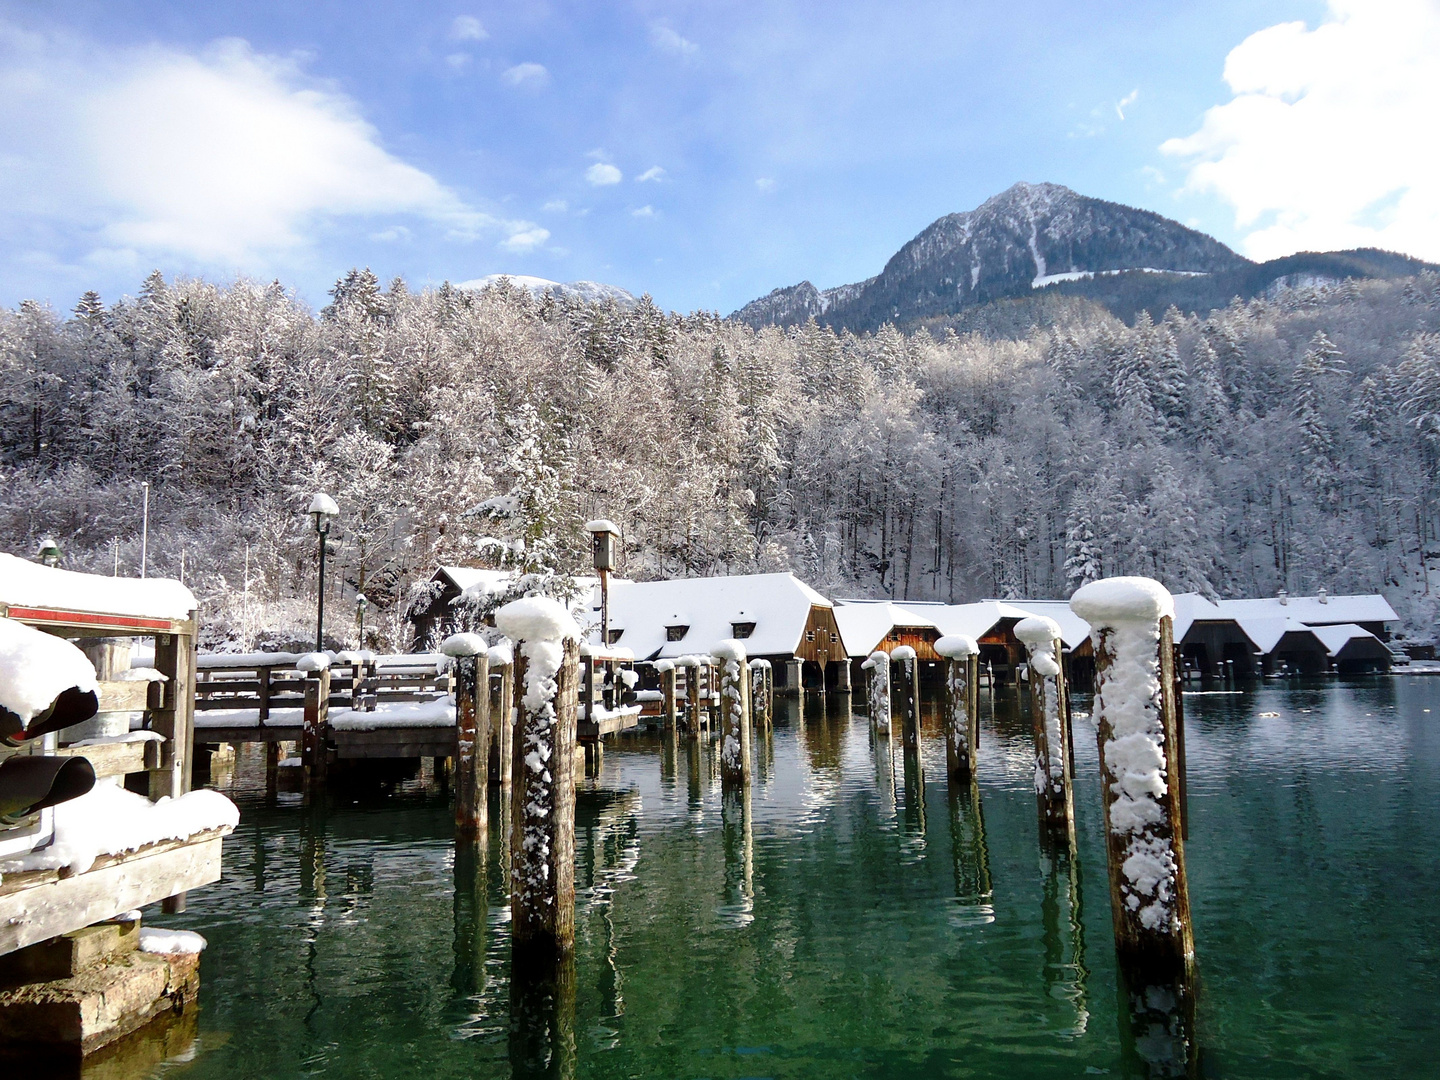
<point x="472" y="731"/>
<point x="878" y="665"/>
<point x="542" y="840"/>
<point x="670" y="708"/>
<point x="1130" y="619"/>
<point x="503" y="656"/>
<point x="1050" y="721"/>
<point x="907" y="683"/>
<point x="795" y="678"/>
<point x="962" y="720"/>
<point x="734" y="714"/>
<point x="842" y="676"/>
<point x="315" y="734"/>
<point x="692" y="694"/>
<point x="762" y="694"/>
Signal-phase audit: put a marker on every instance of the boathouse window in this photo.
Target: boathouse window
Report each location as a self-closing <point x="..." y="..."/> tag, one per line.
<point x="676" y="633"/>
<point x="614" y="636"/>
<point x="741" y="629"/>
<point x="809" y="635"/>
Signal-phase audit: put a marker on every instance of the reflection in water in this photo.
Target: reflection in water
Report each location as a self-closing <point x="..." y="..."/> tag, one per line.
<point x="914" y="798"/>
<point x="669" y="758"/>
<point x="471" y="910"/>
<point x="971" y="855"/>
<point x="1060" y="914"/>
<point x="694" y="775"/>
<point x="764" y="743"/>
<point x="884" y="750"/>
<point x="737" y="839"/>
<point x="1157" y="1028"/>
<point x="542" y="1021"/>
<point x="607" y="849"/>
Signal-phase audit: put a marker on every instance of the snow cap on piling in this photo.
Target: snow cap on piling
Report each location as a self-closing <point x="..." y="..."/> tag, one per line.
<point x="602" y="525"/>
<point x="313" y="661"/>
<point x="955" y="646"/>
<point x="688" y="661"/>
<point x="536" y="618"/>
<point x="1116" y="600"/>
<point x="902" y="652"/>
<point x="1037" y="630"/>
<point x="879" y="656"/>
<point x="464" y="645"/>
<point x="664" y="665"/>
<point x="729" y="649"/>
<point x="759" y="665"/>
<point x="502" y="653"/>
<point x="36" y="668"/>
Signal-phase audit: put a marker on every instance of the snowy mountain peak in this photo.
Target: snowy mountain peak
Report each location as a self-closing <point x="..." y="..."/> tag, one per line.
<point x="1026" y="237"/>
<point x="589" y="292"/>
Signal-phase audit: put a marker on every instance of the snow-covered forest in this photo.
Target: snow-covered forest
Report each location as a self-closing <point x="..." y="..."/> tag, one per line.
<point x="1285" y="443"/>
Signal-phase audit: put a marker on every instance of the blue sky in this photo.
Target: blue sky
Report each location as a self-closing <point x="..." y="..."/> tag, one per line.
<point x="703" y="152"/>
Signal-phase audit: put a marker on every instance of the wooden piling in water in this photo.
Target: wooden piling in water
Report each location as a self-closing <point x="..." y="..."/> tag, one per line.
<point x="734" y="714"/>
<point x="962" y="700"/>
<point x="542" y="840"/>
<point x="1135" y="721"/>
<point x="795" y="678"/>
<point x="692" y="694"/>
<point x="315" y="732"/>
<point x="1049" y="722"/>
<point x="762" y="694"/>
<point x="507" y="714"/>
<point x="669" y="707"/>
<point x="907" y="686"/>
<point x="878" y="690"/>
<point x="472" y="731"/>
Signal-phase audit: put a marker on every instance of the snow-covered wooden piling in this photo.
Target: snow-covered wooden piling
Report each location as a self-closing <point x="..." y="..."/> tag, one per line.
<point x="472" y="730"/>
<point x="669" y="707"/>
<point x="502" y="660"/>
<point x="314" y="753"/>
<point x="542" y="842"/>
<point x="962" y="699"/>
<point x="907" y="686"/>
<point x="734" y="714"/>
<point x="878" y="686"/>
<point x="691" y="666"/>
<point x="1135" y="719"/>
<point x="762" y="693"/>
<point x="795" y="678"/>
<point x="1050" y="720"/>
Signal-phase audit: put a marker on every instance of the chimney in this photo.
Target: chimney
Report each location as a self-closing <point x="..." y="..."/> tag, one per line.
<point x="1323" y="596"/>
<point x="1284" y="597"/>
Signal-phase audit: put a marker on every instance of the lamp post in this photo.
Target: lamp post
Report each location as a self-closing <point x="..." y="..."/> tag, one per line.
<point x="360" y="605"/>
<point x="322" y="509"/>
<point x="49" y="553"/>
<point x="603" y="548"/>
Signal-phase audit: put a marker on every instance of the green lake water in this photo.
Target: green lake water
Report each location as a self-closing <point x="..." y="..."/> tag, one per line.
<point x="859" y="919"/>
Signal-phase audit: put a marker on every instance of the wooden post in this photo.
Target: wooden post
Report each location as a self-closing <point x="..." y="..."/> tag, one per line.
<point x="472" y="731"/>
<point x="670" y="710"/>
<point x="908" y="685"/>
<point x="506" y="729"/>
<point x="842" y="676"/>
<point x="262" y="675"/>
<point x="961" y="656"/>
<point x="542" y="839"/>
<point x="175" y="719"/>
<point x="795" y="677"/>
<point x="734" y="715"/>
<point x="1049" y="721"/>
<point x="879" y="697"/>
<point x="1130" y="619"/>
<point x="762" y="702"/>
<point x="314" y="755"/>
<point x="692" y="695"/>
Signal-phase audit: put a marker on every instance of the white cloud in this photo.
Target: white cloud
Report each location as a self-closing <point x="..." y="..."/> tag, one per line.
<point x="667" y="40"/>
<point x="655" y="172"/>
<point x="600" y="174"/>
<point x="393" y="234"/>
<point x="459" y="61"/>
<point x="765" y="183"/>
<point x="467" y="28"/>
<point x="644" y="212"/>
<point x="526" y="239"/>
<point x="556" y="206"/>
<point x="527" y="74"/>
<point x="229" y="158"/>
<point x="1125" y="102"/>
<point x="1328" y="141"/>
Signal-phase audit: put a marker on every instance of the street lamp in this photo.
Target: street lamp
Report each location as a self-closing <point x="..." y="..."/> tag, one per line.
<point x="360" y="605"/>
<point x="322" y="509"/>
<point x="49" y="553"/>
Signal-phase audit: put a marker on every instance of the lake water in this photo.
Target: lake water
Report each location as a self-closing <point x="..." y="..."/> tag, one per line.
<point x="859" y="920"/>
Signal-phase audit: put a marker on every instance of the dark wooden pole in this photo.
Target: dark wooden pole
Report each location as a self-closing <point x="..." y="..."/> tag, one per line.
<point x="1135" y="720"/>
<point x="692" y="696"/>
<point x="1049" y="722"/>
<point x="542" y="811"/>
<point x="472" y="737"/>
<point x="315" y="734"/>
<point x="879" y="690"/>
<point x="960" y="654"/>
<point x="907" y="683"/>
<point x="734" y="715"/>
<point x="671" y="709"/>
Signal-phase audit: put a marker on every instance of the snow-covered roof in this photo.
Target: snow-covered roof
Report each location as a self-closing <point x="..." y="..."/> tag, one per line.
<point x="1312" y="611"/>
<point x="864" y="624"/>
<point x="977" y="619"/>
<point x="1336" y="637"/>
<point x="27" y="584"/>
<point x="1267" y="630"/>
<point x="1191" y="608"/>
<point x="1073" y="629"/>
<point x="467" y="577"/>
<point x="778" y="605"/>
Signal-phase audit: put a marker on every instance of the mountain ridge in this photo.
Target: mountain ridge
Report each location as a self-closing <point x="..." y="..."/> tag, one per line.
<point x="1036" y="238"/>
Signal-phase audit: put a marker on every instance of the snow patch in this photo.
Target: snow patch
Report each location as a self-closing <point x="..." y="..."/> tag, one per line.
<point x="36" y="668"/>
<point x="170" y="942"/>
<point x="1112" y="601"/>
<point x="956" y="646"/>
<point x="464" y="645"/>
<point x="536" y="618"/>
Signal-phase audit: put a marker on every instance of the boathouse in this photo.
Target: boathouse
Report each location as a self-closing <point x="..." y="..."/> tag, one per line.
<point x="776" y="616"/>
<point x="436" y="611"/>
<point x="868" y="625"/>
